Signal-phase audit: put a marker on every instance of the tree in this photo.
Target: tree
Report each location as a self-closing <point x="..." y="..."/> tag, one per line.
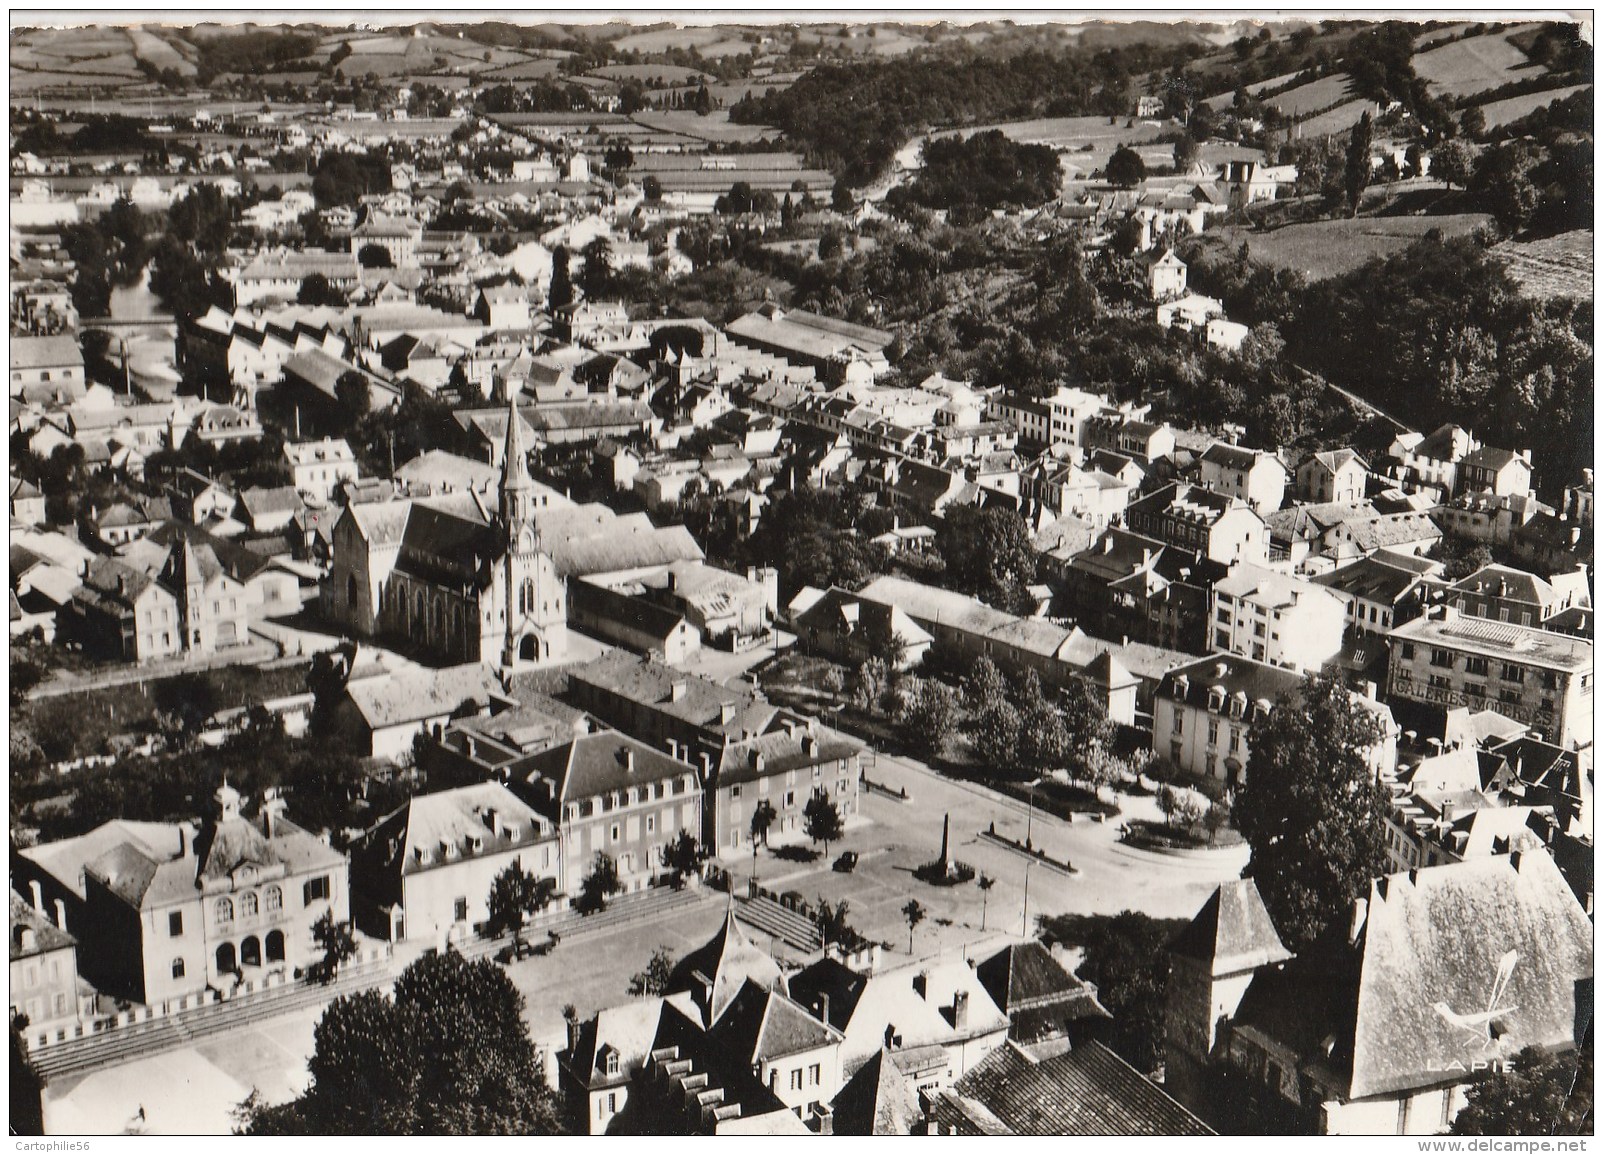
<point x="761" y="819"/>
<point x="985" y="882"/>
<point x="684" y="856"/>
<point x="1357" y="169"/>
<point x="1125" y="168"/>
<point x="914" y="913"/>
<point x="1503" y="185"/>
<point x="561" y="294"/>
<point x="1085" y="719"/>
<point x="870" y="683"/>
<point x="372" y="256"/>
<point x="316" y="290"/>
<point x="1125" y="955"/>
<point x="599" y="885"/>
<point x="27" y="1088"/>
<point x="652" y="188"/>
<point x="1452" y="162"/>
<point x="841" y="199"/>
<point x="337" y="942"/>
<point x="515" y="894"/>
<point x="1537" y="1094"/>
<point x="926" y="712"/>
<point x="1186" y="151"/>
<point x="653" y="980"/>
<point x="832" y="925"/>
<point x="988" y="554"/>
<point x="1181" y="809"/>
<point x="354" y="393"/>
<point x="1473" y="122"/>
<point x="1311" y="808"/>
<point x="596" y="278"/>
<point x="822" y="819"/>
<point x="448" y="1054"/>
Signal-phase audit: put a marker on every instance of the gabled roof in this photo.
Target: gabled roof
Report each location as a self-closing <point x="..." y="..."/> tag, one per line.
<point x="762" y="1024"/>
<point x="401" y="697"/>
<point x="47" y="936"/>
<point x="1232" y="932"/>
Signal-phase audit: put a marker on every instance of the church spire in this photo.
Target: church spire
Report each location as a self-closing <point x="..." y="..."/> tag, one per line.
<point x="516" y="484"/>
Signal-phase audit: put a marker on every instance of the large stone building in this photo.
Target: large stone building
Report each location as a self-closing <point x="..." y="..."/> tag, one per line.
<point x="461" y="582"/>
<point x="1534" y="676"/>
<point x="163" y="911"/>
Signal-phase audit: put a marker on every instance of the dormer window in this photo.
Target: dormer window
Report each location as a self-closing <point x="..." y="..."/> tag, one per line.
<point x="612" y="1062"/>
<point x="478" y="844"/>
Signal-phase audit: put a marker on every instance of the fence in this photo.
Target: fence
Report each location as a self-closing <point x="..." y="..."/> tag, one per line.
<point x="46" y="1037"/>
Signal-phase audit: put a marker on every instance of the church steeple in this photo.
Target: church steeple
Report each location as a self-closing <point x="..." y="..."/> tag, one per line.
<point x="517" y="487"/>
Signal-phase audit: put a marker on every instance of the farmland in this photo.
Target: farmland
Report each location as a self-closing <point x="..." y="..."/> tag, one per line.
<point x="651" y="73"/>
<point x="1466" y="67"/>
<point x="1501" y="112"/>
<point x="542" y="69"/>
<point x="1558" y="266"/>
<point x="665" y="39"/>
<point x="151" y="47"/>
<point x="1338" y="119"/>
<point x="714" y="127"/>
<point x="1323" y="249"/>
<point x="1315" y="96"/>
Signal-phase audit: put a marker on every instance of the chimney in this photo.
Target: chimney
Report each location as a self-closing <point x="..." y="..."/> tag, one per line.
<point x="822" y="1008"/>
<point x="492" y="819"/>
<point x="960" y="1010"/>
<point x="272" y="811"/>
<point x="826" y="1120"/>
<point x="1360" y="914"/>
<point x="628" y="761"/>
<point x="61" y="914"/>
<point x="890" y="1036"/>
<point x="676" y="692"/>
<point x="726" y="713"/>
<point x="38" y="895"/>
<point x="183" y="840"/>
<point x="921" y="984"/>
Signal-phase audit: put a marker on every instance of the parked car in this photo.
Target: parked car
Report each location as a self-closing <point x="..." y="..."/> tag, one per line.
<point x="847" y="862"/>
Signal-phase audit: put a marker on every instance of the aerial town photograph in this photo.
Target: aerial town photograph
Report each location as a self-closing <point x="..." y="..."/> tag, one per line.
<point x="665" y="574"/>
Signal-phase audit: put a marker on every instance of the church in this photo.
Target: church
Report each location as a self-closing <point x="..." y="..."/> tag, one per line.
<point x="451" y="578"/>
<point x="481" y="575"/>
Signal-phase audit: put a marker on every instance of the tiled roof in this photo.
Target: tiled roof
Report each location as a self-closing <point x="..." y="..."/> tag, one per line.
<point x="1086" y="1091"/>
<point x="394" y="699"/>
<point x="45" y="352"/>
<point x="762" y="1024"/>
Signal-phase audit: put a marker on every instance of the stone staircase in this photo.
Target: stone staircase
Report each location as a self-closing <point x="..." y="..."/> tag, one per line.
<point x="786" y="925"/>
<point x="620" y="912"/>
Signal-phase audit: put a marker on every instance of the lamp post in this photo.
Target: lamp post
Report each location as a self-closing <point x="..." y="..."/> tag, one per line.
<point x="1029" y="822"/>
<point x="1024" y="929"/>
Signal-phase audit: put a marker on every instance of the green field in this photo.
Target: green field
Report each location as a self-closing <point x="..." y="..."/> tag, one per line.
<point x="1500" y="112"/>
<point x="663" y="39"/>
<point x="1338" y="119"/>
<point x="714" y="126"/>
<point x="1322" y="249"/>
<point x="650" y="73"/>
<point x="1475" y="65"/>
<point x="1312" y="97"/>
<point x="1558" y="266"/>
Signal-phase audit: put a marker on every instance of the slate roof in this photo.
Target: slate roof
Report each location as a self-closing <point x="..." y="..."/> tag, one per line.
<point x="1410" y="994"/>
<point x="598" y="764"/>
<point x="389" y="849"/>
<point x="1392" y="529"/>
<point x="1370" y="578"/>
<point x="1086" y="1091"/>
<point x="762" y="1024"/>
<point x="877" y="1100"/>
<point x="1501" y="581"/>
<point x="47" y="936"/>
<point x="1035" y="991"/>
<point x="718" y="970"/>
<point x="66" y="859"/>
<point x="1232" y="932"/>
<point x="701" y="701"/>
<point x="628" y="1030"/>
